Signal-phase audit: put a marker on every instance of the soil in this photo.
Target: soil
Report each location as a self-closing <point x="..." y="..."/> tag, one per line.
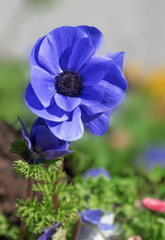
<point x="11" y="187"/>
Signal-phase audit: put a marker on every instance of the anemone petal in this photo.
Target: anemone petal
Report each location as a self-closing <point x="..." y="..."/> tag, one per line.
<point x="25" y="135"/>
<point x="116" y="77"/>
<point x="52" y="113"/>
<point x="66" y="36"/>
<point x="94" y="35"/>
<point x="43" y="139"/>
<point x="43" y="84"/>
<point x="34" y="53"/>
<point x="94" y="70"/>
<point x="67" y="103"/>
<point x="82" y="50"/>
<point x="48" y="55"/>
<point x="96" y="124"/>
<point x="118" y="58"/>
<point x="113" y="95"/>
<point x="55" y="153"/>
<point x="91" y="216"/>
<point x="92" y="95"/>
<point x="69" y="130"/>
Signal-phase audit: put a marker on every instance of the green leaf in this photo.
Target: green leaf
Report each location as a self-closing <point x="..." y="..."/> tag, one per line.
<point x="7" y="229"/>
<point x="26" y="170"/>
<point x="156" y="174"/>
<point x="20" y="148"/>
<point x="39" y="215"/>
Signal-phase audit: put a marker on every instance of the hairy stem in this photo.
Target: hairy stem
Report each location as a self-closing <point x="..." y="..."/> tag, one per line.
<point x="76" y="229"/>
<point x="29" y="195"/>
<point x="55" y="199"/>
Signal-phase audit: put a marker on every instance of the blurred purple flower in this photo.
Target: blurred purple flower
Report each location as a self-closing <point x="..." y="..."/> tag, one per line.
<point x="95" y="172"/>
<point x="69" y="86"/>
<point x="94" y="217"/>
<point x="43" y="142"/>
<point x="152" y="156"/>
<point x="49" y="232"/>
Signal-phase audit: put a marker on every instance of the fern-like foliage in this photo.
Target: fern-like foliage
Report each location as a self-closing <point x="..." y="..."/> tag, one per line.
<point x="26" y="170"/>
<point x="7" y="230"/>
<point x="39" y="215"/>
<point x="20" y="148"/>
<point x="95" y="192"/>
<point x="36" y="215"/>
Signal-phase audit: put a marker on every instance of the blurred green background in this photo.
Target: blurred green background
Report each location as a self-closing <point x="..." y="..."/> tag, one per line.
<point x="138" y="122"/>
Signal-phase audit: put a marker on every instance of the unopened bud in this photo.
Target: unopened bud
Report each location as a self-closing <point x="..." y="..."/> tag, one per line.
<point x="154" y="204"/>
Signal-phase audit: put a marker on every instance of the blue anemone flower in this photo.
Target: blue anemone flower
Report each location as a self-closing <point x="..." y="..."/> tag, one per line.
<point x="70" y="85"/>
<point x="47" y="235"/>
<point x="94" y="217"/>
<point x="96" y="172"/>
<point x="43" y="142"/>
<point x="153" y="156"/>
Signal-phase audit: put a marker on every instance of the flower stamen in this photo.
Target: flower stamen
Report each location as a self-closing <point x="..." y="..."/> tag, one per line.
<point x="68" y="83"/>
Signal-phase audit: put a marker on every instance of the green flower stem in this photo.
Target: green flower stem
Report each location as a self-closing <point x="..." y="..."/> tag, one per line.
<point x="29" y="195"/>
<point x="76" y="229"/>
<point x="55" y="199"/>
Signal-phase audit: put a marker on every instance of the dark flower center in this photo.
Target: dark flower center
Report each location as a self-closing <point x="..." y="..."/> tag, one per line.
<point x="68" y="83"/>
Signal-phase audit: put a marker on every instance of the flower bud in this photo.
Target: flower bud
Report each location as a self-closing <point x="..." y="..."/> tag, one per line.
<point x="154" y="204"/>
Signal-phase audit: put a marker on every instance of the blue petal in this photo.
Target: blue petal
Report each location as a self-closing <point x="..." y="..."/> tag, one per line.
<point x="96" y="124"/>
<point x="48" y="55"/>
<point x="82" y="50"/>
<point x="94" y="35"/>
<point x="118" y="58"/>
<point x="95" y="172"/>
<point x="54" y="154"/>
<point x="25" y="135"/>
<point x="91" y="216"/>
<point x="106" y="226"/>
<point x="43" y="139"/>
<point x="63" y="144"/>
<point x="23" y="126"/>
<point x="66" y="36"/>
<point x="34" y="53"/>
<point x="64" y="58"/>
<point x="50" y="231"/>
<point x="91" y="111"/>
<point x="116" y="77"/>
<point x="69" y="130"/>
<point x="53" y="112"/>
<point x="43" y="84"/>
<point x="92" y="95"/>
<point x="95" y="109"/>
<point x="47" y="235"/>
<point x="67" y="103"/>
<point x="39" y="121"/>
<point x="113" y="95"/>
<point x="95" y="70"/>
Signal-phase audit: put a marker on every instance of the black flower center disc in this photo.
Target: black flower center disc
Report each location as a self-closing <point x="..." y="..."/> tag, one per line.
<point x="68" y="83"/>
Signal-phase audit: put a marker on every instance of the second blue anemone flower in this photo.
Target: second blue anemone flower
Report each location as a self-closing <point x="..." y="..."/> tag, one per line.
<point x="43" y="143"/>
<point x="94" y="217"/>
<point x="96" y="172"/>
<point x="70" y="86"/>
